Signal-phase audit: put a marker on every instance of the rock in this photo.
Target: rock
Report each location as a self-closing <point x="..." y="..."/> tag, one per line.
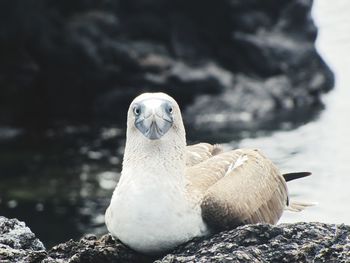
<point x="94" y="57"/>
<point x="18" y="243"/>
<point x="299" y="242"/>
<point x="92" y="250"/>
<point x="279" y="53"/>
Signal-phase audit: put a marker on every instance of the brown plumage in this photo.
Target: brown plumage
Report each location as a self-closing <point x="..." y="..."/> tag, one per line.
<point x="235" y="187"/>
<point x="200" y="152"/>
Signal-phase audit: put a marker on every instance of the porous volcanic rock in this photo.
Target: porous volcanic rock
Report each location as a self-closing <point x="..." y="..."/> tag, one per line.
<point x="298" y="242"/>
<point x="18" y="243"/>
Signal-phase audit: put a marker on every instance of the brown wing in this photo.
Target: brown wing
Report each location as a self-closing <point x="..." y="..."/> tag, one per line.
<point x="200" y="152"/>
<point x="205" y="174"/>
<point x="251" y="191"/>
<point x="238" y="187"/>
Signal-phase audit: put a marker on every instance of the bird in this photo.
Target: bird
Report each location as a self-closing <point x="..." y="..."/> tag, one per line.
<point x="170" y="192"/>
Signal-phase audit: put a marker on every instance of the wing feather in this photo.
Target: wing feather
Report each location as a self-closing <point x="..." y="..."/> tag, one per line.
<point x="251" y="192"/>
<point x="201" y="152"/>
<point x="207" y="173"/>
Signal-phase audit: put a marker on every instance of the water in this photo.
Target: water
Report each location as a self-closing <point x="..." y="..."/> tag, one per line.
<point x="60" y="182"/>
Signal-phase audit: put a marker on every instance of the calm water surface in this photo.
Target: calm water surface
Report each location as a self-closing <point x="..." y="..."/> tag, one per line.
<point x="60" y="183"/>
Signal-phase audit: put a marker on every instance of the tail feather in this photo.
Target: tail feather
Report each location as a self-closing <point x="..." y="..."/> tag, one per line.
<point x="292" y="176"/>
<point x="296" y="206"/>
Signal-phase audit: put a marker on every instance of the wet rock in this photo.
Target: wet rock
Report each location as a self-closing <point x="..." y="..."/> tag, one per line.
<point x="283" y="78"/>
<point x="18" y="243"/>
<point x="94" y="57"/>
<point x="239" y="109"/>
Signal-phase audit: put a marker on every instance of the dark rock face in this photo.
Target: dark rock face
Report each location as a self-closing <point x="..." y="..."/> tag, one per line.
<point x="299" y="242"/>
<point x="255" y="62"/>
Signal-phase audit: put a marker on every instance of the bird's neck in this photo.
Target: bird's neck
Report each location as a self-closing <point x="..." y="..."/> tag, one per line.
<point x="161" y="161"/>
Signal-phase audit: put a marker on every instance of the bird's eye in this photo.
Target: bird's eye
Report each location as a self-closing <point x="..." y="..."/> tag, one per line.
<point x="137" y="110"/>
<point x="170" y="109"/>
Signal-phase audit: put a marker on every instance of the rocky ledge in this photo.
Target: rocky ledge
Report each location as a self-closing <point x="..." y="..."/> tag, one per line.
<point x="299" y="242"/>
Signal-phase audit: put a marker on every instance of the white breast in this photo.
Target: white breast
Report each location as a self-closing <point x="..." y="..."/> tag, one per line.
<point x="152" y="216"/>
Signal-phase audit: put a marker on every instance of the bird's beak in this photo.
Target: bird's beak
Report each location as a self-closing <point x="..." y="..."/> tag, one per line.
<point x="154" y="119"/>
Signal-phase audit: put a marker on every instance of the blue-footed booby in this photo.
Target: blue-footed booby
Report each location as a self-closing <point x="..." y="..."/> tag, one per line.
<point x="169" y="192"/>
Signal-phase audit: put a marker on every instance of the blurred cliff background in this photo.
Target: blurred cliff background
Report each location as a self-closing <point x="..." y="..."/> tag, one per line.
<point x="246" y="74"/>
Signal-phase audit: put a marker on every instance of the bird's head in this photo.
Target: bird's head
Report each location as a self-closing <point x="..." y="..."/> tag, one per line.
<point x="154" y="116"/>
